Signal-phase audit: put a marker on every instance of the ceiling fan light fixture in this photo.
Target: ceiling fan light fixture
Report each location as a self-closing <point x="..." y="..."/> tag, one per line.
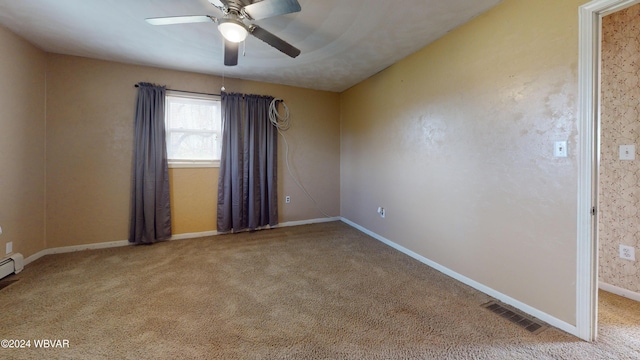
<point x="232" y="30"/>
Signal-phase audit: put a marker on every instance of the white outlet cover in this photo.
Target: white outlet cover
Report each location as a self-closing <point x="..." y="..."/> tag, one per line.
<point x="627" y="152"/>
<point x="9" y="248"/>
<point x="627" y="253"/>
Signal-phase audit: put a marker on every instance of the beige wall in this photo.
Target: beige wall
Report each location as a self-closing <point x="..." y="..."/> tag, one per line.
<point x="456" y="142"/>
<point x="193" y="199"/>
<point x="90" y="109"/>
<point x="22" y="145"/>
<point x="619" y="198"/>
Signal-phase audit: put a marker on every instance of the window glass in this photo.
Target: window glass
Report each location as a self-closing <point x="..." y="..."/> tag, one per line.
<point x="193" y="126"/>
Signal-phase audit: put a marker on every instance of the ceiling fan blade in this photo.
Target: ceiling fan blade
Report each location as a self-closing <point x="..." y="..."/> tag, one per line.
<point x="268" y="8"/>
<point x="220" y="4"/>
<point x="171" y="20"/>
<point x="274" y="41"/>
<point x="230" y="53"/>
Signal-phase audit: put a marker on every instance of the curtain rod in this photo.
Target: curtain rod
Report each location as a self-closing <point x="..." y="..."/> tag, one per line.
<point x="188" y="92"/>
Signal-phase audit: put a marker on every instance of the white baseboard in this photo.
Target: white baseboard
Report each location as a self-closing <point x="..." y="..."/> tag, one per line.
<point x="68" y="249"/>
<point x="619" y="291"/>
<point x="310" y="221"/>
<point x="111" y="244"/>
<point x="551" y="320"/>
<point x="193" y="235"/>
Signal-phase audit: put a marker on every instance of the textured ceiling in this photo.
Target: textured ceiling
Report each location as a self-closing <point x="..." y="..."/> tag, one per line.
<point x="343" y="41"/>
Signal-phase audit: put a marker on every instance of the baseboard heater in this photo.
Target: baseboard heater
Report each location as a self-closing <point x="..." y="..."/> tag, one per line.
<point x="11" y="264"/>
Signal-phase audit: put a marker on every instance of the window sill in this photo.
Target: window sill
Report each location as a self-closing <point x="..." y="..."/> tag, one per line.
<point x="193" y="164"/>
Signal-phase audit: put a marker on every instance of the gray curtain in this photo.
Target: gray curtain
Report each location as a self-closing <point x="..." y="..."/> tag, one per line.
<point x="150" y="206"/>
<point x="247" y="187"/>
<point x="231" y="213"/>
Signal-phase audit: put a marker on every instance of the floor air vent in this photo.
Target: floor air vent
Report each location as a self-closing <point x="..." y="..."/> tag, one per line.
<point x="530" y="324"/>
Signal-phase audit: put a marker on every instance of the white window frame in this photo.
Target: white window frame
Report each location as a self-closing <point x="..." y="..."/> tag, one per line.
<point x="183" y="163"/>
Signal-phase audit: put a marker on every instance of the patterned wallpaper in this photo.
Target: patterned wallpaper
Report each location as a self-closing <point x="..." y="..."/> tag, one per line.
<point x="619" y="215"/>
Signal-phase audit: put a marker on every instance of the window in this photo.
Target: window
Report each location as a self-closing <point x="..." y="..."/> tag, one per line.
<point x="193" y="126"/>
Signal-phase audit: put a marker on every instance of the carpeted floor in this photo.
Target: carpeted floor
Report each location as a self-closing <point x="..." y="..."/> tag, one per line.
<point x="323" y="291"/>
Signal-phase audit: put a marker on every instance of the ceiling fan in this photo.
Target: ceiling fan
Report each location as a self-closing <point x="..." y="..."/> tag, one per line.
<point x="232" y="25"/>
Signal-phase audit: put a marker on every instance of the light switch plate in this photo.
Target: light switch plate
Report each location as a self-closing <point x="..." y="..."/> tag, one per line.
<point x="560" y="149"/>
<point x="627" y="152"/>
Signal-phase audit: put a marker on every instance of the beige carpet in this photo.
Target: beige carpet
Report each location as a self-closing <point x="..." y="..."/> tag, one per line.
<point x="323" y="291"/>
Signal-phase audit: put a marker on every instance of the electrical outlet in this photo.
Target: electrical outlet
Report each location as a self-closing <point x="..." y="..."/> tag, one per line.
<point x="287" y="199"/>
<point x="381" y="212"/>
<point x="627" y="152"/>
<point x="9" y="248"/>
<point x="627" y="253"/>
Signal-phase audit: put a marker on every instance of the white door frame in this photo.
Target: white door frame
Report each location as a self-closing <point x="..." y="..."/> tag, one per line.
<point x="588" y="161"/>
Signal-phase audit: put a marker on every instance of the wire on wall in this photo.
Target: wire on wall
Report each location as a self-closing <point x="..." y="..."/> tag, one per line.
<point x="282" y="122"/>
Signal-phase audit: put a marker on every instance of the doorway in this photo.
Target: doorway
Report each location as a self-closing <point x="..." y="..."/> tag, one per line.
<point x="591" y="15"/>
<point x="619" y="175"/>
